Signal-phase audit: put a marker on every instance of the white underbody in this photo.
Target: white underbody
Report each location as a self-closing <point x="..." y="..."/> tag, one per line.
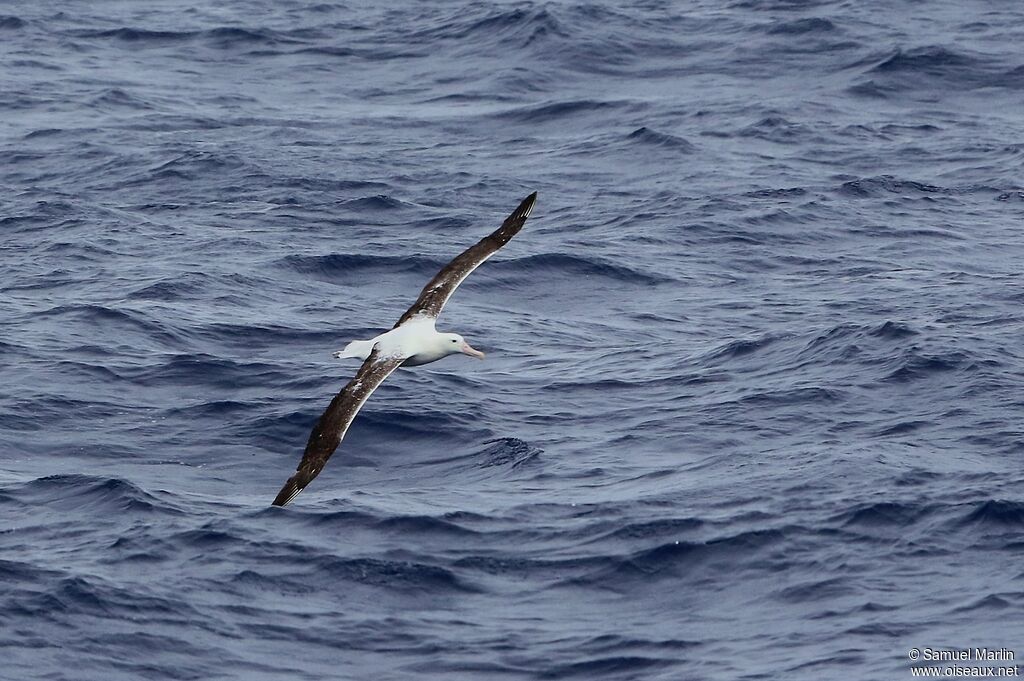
<point x="417" y="340"/>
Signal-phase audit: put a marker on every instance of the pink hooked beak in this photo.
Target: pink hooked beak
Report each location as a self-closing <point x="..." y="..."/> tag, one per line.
<point x="468" y="349"/>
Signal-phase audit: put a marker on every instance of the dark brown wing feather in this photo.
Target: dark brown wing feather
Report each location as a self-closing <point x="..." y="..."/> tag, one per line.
<point x="437" y="292"/>
<point x="334" y="423"/>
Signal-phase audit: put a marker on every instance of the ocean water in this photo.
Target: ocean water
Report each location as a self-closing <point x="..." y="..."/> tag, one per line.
<point x="752" y="401"/>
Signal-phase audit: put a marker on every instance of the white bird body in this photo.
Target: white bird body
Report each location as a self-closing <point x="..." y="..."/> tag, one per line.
<point x="416" y="340"/>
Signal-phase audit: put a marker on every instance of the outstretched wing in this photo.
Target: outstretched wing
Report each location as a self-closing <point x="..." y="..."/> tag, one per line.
<point x="334" y="423"/>
<point x="437" y="292"/>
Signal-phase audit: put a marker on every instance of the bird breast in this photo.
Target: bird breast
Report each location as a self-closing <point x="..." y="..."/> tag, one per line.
<point x="416" y="339"/>
<point x="423" y="358"/>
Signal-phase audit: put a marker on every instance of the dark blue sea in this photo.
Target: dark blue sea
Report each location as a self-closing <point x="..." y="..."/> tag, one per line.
<point x="752" y="406"/>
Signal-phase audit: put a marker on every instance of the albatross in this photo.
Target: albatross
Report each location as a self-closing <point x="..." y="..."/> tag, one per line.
<point x="412" y="341"/>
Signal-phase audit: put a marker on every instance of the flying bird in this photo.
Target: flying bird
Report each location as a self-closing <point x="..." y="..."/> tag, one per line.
<point x="411" y="342"/>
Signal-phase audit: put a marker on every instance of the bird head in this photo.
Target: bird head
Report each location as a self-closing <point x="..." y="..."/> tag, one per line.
<point x="454" y="343"/>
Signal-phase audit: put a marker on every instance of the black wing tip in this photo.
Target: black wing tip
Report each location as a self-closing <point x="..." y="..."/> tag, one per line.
<point x="290" y="490"/>
<point x="516" y="219"/>
<point x="527" y="205"/>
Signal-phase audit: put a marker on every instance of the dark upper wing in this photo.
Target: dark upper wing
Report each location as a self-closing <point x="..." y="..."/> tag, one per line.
<point x="332" y="425"/>
<point x="436" y="293"/>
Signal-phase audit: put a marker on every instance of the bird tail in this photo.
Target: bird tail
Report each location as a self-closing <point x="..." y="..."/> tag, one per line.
<point x="291" y="489"/>
<point x="357" y="348"/>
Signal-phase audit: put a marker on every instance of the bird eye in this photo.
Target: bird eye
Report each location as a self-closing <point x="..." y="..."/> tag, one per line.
<point x="454" y="341"/>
